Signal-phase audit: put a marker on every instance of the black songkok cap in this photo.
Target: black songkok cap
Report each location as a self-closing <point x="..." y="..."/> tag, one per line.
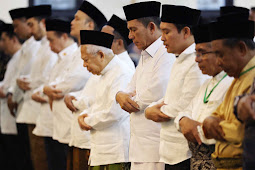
<point x="233" y="17"/>
<point x="120" y="26"/>
<point x="240" y="29"/>
<point x="7" y="28"/>
<point x="18" y="13"/>
<point x="58" y="25"/>
<point x="232" y="9"/>
<point x="180" y="15"/>
<point x="253" y="8"/>
<point x="142" y="9"/>
<point x="94" y="13"/>
<point x="201" y="33"/>
<point x="40" y="10"/>
<point x="96" y="38"/>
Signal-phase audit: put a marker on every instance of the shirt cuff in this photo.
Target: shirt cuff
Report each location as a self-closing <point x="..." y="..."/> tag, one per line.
<point x="178" y="118"/>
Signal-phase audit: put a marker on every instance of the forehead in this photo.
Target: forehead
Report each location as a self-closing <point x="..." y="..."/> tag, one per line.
<point x="81" y="15"/>
<point x="217" y="44"/>
<point x="134" y="23"/>
<point x="51" y="34"/>
<point x="108" y="29"/>
<point x="167" y="26"/>
<point x="31" y="20"/>
<point x="203" y="46"/>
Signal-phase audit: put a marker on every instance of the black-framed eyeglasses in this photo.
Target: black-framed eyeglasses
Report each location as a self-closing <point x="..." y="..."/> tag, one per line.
<point x="201" y="54"/>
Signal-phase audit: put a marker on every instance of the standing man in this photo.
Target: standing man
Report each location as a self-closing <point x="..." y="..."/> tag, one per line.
<point x="107" y="122"/>
<point x="63" y="44"/>
<point x="16" y="158"/>
<point x="118" y="28"/>
<point x="232" y="43"/>
<point x="208" y="98"/>
<point x="42" y="65"/>
<point x="184" y="82"/>
<point x="147" y="85"/>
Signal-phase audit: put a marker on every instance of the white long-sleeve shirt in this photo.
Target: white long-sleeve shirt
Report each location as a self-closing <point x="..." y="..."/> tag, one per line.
<point x="44" y="123"/>
<point x="198" y="110"/>
<point x="40" y="71"/>
<point x="184" y="82"/>
<point x="74" y="78"/>
<point x="84" y="100"/>
<point x="110" y="124"/>
<point x="149" y="83"/>
<point x="8" y="122"/>
<point x="28" y="51"/>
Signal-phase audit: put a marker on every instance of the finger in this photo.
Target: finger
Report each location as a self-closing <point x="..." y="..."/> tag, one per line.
<point x="162" y="115"/>
<point x="133" y="103"/>
<point x="130" y="107"/>
<point x="57" y="91"/>
<point x="126" y="109"/>
<point x="197" y="138"/>
<point x="252" y="97"/>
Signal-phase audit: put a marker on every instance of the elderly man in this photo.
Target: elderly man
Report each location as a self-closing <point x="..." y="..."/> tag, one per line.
<point x="147" y="85"/>
<point x="63" y="44"/>
<point x="118" y="28"/>
<point x="232" y="43"/>
<point x="107" y="122"/>
<point x="184" y="82"/>
<point x="209" y="97"/>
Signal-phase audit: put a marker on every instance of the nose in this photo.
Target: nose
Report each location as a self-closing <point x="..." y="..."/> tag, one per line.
<point x="198" y="59"/>
<point x="85" y="64"/>
<point x="163" y="38"/>
<point x="219" y="62"/>
<point x="130" y="36"/>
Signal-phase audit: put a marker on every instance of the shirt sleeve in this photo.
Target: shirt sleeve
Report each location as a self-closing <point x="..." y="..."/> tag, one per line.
<point x="191" y="85"/>
<point x="112" y="112"/>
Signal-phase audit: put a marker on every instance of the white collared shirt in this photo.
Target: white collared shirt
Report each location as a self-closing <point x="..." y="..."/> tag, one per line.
<point x="40" y="71"/>
<point x="197" y="109"/>
<point x="149" y="83"/>
<point x="8" y="122"/>
<point x="184" y="82"/>
<point x="44" y="122"/>
<point x="84" y="100"/>
<point x="110" y="124"/>
<point x="28" y="51"/>
<point x="73" y="78"/>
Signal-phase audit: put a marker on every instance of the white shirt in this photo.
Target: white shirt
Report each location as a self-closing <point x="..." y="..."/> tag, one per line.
<point x="84" y="99"/>
<point x="46" y="59"/>
<point x="8" y="122"/>
<point x="110" y="124"/>
<point x="184" y="82"/>
<point x="73" y="78"/>
<point x="28" y="51"/>
<point x="44" y="122"/>
<point x="197" y="109"/>
<point x="127" y="60"/>
<point x="150" y="83"/>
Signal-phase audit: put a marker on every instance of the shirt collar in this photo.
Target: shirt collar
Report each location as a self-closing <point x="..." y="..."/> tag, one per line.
<point x="123" y="54"/>
<point x="44" y="40"/>
<point x="186" y="52"/>
<point x="249" y="64"/>
<point x="219" y="76"/>
<point x="153" y="48"/>
<point x="68" y="50"/>
<point x="110" y="65"/>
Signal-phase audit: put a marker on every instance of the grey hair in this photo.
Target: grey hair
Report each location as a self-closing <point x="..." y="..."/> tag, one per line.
<point x="94" y="49"/>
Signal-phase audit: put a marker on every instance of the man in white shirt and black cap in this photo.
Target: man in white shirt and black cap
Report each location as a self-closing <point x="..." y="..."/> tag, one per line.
<point x="118" y="28"/>
<point x="58" y="34"/>
<point x="184" y="82"/>
<point x="147" y="85"/>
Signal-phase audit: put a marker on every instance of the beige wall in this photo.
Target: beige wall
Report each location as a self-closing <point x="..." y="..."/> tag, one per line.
<point x="245" y="3"/>
<point x="6" y="5"/>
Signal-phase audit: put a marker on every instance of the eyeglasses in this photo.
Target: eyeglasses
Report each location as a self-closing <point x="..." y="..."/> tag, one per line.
<point x="200" y="54"/>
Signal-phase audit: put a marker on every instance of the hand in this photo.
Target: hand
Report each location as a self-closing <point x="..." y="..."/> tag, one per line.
<point x="154" y="113"/>
<point x="52" y="92"/>
<point x="69" y="104"/>
<point x="23" y="84"/>
<point x="126" y="103"/>
<point x="36" y="97"/>
<point x="244" y="108"/>
<point x="212" y="128"/>
<point x="82" y="123"/>
<point x="50" y="103"/>
<point x="2" y="95"/>
<point x="11" y="105"/>
<point x="189" y="129"/>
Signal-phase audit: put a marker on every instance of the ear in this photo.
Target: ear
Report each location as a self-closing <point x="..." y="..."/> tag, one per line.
<point x="242" y="48"/>
<point x="186" y="32"/>
<point x="43" y="22"/>
<point x="101" y="54"/>
<point x="65" y="36"/>
<point x="152" y="27"/>
<point x="91" y="25"/>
